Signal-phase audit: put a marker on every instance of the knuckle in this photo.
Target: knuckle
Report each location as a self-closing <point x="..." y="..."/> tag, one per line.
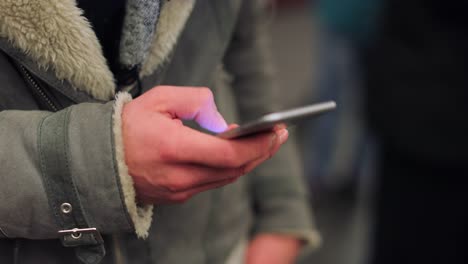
<point x="167" y="153"/>
<point x="206" y="94"/>
<point x="175" y="186"/>
<point x="172" y="188"/>
<point x="166" y="156"/>
<point x="231" y="160"/>
<point x="155" y="91"/>
<point x="161" y="88"/>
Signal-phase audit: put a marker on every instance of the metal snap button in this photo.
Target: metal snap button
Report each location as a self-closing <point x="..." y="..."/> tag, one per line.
<point x="66" y="208"/>
<point x="76" y="235"/>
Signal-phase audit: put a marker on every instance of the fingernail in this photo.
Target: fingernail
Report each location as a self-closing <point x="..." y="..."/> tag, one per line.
<point x="283" y="135"/>
<point x="224" y="123"/>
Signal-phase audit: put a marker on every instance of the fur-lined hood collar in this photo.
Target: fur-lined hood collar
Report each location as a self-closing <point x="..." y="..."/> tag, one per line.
<point x="55" y="34"/>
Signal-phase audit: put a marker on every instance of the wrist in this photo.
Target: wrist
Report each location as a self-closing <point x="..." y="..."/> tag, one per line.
<point x="141" y="216"/>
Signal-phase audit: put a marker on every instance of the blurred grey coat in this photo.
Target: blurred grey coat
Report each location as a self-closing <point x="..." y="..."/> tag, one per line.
<point x="60" y="138"/>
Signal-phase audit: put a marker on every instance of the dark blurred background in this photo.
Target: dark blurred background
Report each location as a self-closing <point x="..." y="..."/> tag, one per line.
<point x="388" y="169"/>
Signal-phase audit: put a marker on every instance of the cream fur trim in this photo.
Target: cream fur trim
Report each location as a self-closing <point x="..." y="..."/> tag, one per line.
<point x="56" y="35"/>
<point x="141" y="216"/>
<point x="173" y="17"/>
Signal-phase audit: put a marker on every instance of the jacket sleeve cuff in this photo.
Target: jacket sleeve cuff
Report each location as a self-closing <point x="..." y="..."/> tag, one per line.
<point x="310" y="238"/>
<point x="301" y="227"/>
<point x="141" y="215"/>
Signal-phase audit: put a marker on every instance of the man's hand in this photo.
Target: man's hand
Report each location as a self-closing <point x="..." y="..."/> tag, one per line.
<point x="170" y="162"/>
<point x="273" y="249"/>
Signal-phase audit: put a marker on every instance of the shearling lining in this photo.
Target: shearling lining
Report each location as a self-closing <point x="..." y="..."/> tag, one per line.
<point x="141" y="216"/>
<point x="55" y="34"/>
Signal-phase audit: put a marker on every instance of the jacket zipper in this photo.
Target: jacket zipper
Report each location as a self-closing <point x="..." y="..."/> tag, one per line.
<point x="39" y="90"/>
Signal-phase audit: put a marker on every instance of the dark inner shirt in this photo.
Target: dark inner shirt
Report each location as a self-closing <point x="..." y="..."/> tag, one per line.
<point x="106" y="18"/>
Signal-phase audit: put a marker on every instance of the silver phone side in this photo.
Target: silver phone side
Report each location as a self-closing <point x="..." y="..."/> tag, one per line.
<point x="267" y="122"/>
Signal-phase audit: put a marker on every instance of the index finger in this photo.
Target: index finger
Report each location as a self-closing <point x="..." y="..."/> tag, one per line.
<point x="191" y="146"/>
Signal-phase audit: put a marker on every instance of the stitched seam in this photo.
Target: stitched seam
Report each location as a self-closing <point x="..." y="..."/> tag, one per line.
<point x="45" y="179"/>
<point x="53" y="199"/>
<point x="65" y="154"/>
<point x="69" y="179"/>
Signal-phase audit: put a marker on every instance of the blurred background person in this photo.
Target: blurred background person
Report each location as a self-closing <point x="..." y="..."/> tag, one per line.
<point x="416" y="90"/>
<point x="335" y="154"/>
<point x="399" y="66"/>
<point x="321" y="64"/>
<point x="337" y="148"/>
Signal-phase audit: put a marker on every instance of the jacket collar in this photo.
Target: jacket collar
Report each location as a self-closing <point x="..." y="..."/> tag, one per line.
<point x="55" y="35"/>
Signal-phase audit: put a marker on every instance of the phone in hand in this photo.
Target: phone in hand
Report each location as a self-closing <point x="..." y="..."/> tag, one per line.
<point x="288" y="117"/>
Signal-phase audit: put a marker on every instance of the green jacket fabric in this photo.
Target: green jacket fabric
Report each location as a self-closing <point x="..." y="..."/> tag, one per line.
<point x="61" y="154"/>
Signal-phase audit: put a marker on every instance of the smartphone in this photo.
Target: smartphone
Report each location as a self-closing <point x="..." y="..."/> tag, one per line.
<point x="288" y="117"/>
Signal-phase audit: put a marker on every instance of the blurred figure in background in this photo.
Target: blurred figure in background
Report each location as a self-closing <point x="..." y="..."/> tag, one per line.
<point x="334" y="156"/>
<point x="416" y="99"/>
<point x="336" y="145"/>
